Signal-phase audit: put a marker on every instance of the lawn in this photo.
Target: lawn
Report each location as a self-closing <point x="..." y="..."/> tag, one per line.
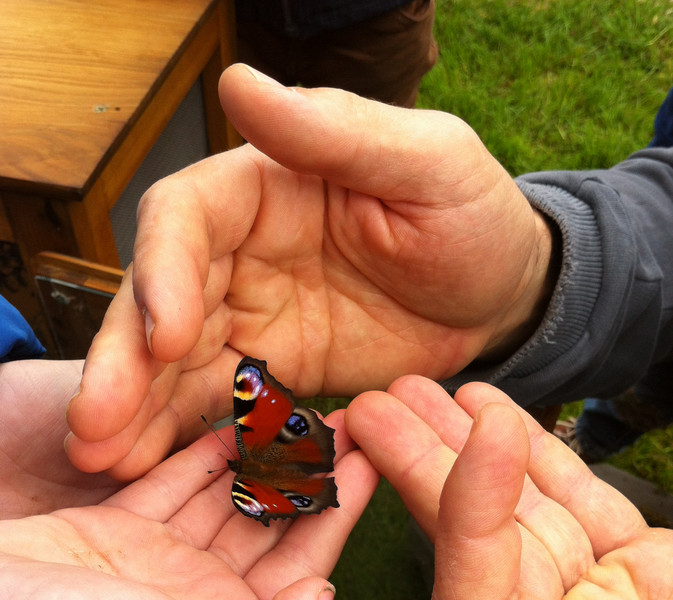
<point x="547" y="85"/>
<point x="568" y="84"/>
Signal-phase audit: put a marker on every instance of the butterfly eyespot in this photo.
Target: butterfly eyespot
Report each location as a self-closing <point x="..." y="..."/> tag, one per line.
<point x="297" y="425"/>
<point x="301" y="501"/>
<point x="248" y="382"/>
<point x="249" y="506"/>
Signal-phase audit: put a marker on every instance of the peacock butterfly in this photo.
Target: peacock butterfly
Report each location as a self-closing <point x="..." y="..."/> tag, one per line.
<point x="282" y="448"/>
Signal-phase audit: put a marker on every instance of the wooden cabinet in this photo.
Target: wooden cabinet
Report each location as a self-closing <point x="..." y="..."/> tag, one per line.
<point x="86" y="87"/>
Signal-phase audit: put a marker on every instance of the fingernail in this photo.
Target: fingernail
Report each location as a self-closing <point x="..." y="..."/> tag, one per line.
<point x="149" y="327"/>
<point x="327" y="593"/>
<point x="259" y="76"/>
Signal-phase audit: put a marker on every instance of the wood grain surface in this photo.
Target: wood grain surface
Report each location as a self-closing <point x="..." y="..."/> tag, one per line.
<point x="75" y="75"/>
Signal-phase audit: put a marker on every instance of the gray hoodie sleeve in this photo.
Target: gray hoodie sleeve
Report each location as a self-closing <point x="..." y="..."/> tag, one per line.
<point x="611" y="315"/>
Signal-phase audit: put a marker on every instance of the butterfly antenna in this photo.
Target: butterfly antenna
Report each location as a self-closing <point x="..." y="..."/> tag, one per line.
<point x="217" y="435"/>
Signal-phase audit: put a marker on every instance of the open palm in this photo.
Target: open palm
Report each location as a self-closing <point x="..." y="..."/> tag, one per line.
<point x="176" y="534"/>
<point x="35" y="474"/>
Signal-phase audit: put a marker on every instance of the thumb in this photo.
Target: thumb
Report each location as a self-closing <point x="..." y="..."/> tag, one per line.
<point x="478" y="543"/>
<point x="309" y="588"/>
<point x="361" y="144"/>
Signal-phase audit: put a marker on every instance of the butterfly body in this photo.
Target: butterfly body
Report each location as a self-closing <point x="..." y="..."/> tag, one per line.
<point x="283" y="448"/>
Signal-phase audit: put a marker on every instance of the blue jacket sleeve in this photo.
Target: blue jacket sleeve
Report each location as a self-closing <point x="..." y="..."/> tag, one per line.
<point x="610" y="317"/>
<point x="17" y="339"/>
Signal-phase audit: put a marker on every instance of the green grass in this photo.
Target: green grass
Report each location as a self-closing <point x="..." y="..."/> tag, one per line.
<point x="651" y="457"/>
<point x="568" y="84"/>
<point x="548" y="85"/>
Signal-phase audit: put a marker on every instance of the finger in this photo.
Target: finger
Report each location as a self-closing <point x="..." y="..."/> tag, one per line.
<point x="645" y="564"/>
<point x="562" y="476"/>
<point x="179" y="398"/>
<point x="119" y="370"/>
<point x="387" y="196"/>
<point x="478" y="546"/>
<point x="554" y="536"/>
<point x="96" y="456"/>
<point x="168" y="413"/>
<point x="203" y="516"/>
<point x="556" y="539"/>
<point x="343" y="443"/>
<point x="214" y="335"/>
<point x="433" y="405"/>
<point x="212" y="206"/>
<point x="164" y="491"/>
<point x="117" y="373"/>
<point x="309" y="588"/>
<point x="313" y="544"/>
<point x="404" y="449"/>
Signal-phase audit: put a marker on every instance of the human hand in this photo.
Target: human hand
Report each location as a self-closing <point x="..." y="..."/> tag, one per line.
<point x="349" y="243"/>
<point x="176" y="534"/>
<point x="516" y="514"/>
<point x="35" y="473"/>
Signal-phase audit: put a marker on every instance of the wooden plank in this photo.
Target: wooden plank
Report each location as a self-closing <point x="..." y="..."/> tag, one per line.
<point x="79" y="272"/>
<point x="74" y="295"/>
<point x="216" y="121"/>
<point x="80" y="161"/>
<point x="221" y="133"/>
<point x="228" y="56"/>
<point x="92" y="227"/>
<point x="91" y="223"/>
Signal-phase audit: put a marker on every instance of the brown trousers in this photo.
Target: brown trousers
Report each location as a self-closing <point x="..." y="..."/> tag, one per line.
<point x="383" y="58"/>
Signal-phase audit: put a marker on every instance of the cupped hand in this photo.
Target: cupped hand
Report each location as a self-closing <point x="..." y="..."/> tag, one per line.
<point x="349" y="243"/>
<point x="512" y="511"/>
<point x="176" y="534"/>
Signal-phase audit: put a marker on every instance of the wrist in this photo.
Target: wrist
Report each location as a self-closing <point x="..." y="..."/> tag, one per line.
<point x="527" y="311"/>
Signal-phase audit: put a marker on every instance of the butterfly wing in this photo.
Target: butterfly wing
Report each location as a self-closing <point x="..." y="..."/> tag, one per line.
<point x="262" y="406"/>
<point x="282" y="499"/>
<point x="281" y="445"/>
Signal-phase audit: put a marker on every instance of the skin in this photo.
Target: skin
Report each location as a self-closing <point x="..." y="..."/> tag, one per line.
<point x="36" y="474"/>
<point x="348" y="244"/>
<point x="512" y="511"/>
<point x="174" y="533"/>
